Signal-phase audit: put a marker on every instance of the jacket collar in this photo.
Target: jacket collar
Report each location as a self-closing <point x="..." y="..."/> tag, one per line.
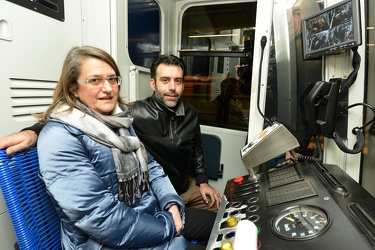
<point x="179" y="111"/>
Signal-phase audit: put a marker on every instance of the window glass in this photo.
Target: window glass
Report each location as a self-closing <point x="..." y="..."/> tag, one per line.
<point x="143" y="40"/>
<point x="216" y="40"/>
<point x="296" y="73"/>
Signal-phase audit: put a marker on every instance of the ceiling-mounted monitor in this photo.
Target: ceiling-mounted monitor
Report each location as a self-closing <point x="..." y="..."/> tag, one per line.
<point x="332" y="30"/>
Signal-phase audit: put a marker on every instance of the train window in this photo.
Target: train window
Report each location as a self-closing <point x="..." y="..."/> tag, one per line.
<point x="215" y="40"/>
<point x="143" y="40"/>
<point x="51" y="8"/>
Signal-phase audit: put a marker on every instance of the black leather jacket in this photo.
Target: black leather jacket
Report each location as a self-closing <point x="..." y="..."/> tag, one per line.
<point x="173" y="138"/>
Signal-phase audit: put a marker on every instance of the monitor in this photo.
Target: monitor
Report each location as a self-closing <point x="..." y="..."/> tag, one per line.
<point x="332" y="30"/>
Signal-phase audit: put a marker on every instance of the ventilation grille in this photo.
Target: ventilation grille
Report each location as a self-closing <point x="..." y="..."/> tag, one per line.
<point x="30" y="96"/>
<point x="51" y="4"/>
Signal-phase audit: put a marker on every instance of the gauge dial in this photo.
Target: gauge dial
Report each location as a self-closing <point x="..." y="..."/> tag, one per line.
<point x="300" y="222"/>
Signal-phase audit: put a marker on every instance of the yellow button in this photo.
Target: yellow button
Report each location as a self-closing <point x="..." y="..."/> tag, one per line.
<point x="231" y="222"/>
<point x="226" y="246"/>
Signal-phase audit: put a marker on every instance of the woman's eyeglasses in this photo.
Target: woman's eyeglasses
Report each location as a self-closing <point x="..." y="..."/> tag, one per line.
<point x="99" y="82"/>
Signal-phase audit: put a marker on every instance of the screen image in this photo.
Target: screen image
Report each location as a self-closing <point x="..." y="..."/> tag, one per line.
<point x="332" y="30"/>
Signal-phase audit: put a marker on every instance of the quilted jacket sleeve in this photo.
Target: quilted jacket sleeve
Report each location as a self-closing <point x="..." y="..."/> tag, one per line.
<point x="85" y="203"/>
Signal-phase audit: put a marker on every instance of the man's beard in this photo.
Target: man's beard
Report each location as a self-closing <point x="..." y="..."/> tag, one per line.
<point x="161" y="98"/>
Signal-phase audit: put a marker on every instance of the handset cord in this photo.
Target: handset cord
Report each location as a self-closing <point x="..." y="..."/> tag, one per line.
<point x="317" y="155"/>
<point x="358" y="146"/>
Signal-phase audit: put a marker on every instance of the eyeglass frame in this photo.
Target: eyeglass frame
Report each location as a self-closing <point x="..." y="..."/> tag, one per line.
<point x="101" y="81"/>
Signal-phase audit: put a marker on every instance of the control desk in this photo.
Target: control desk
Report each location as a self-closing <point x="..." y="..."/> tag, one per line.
<point x="305" y="205"/>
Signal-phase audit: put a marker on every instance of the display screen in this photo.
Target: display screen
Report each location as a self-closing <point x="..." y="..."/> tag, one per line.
<point x="332" y="30"/>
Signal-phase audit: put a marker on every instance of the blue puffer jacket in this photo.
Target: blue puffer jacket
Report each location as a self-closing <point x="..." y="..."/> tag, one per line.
<point x="80" y="175"/>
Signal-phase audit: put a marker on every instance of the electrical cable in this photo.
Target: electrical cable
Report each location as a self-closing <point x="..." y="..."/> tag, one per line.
<point x="358" y="146"/>
<point x="356" y="62"/>
<point x="263" y="43"/>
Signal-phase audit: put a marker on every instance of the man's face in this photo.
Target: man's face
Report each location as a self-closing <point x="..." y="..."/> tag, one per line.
<point x="169" y="84"/>
<point x="294" y="21"/>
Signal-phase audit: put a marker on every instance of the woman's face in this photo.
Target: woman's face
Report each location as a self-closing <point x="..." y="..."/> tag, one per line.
<point x="102" y="98"/>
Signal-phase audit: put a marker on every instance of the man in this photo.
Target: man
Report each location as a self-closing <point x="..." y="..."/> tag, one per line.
<point x="169" y="129"/>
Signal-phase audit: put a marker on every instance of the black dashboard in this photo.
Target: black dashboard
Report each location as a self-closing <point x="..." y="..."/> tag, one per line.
<point x="305" y="205"/>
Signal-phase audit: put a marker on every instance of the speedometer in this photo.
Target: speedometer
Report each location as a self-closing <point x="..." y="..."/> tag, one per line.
<point x="300" y="222"/>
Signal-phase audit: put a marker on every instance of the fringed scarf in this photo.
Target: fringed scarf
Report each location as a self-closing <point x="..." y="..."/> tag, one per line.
<point x="128" y="152"/>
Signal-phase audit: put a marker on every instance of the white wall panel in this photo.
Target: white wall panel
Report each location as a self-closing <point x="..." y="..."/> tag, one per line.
<point x="33" y="58"/>
<point x="30" y="65"/>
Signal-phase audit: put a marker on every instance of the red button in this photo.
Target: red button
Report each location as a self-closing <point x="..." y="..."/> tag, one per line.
<point x="238" y="180"/>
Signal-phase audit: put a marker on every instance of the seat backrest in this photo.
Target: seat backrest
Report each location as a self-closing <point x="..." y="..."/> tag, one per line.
<point x="34" y="218"/>
<point x="212" y="153"/>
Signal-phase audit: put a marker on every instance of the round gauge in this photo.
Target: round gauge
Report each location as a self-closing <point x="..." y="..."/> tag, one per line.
<point x="300" y="222"/>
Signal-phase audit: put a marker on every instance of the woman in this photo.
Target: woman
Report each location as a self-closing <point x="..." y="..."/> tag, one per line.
<point x="108" y="191"/>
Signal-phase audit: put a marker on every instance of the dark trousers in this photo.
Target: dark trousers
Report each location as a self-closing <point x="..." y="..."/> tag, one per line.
<point x="198" y="227"/>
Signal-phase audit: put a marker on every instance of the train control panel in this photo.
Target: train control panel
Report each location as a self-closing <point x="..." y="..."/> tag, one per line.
<point x="305" y="205"/>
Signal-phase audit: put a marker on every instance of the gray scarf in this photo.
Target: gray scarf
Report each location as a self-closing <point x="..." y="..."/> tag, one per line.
<point x="128" y="152"/>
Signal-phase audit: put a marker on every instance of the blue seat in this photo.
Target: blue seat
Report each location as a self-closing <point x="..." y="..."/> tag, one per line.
<point x="35" y="220"/>
<point x="212" y="153"/>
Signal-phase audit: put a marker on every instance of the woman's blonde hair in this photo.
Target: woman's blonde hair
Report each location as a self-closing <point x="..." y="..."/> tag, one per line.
<point x="71" y="70"/>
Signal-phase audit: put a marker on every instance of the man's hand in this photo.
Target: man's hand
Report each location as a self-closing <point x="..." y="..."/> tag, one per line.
<point x="291" y="157"/>
<point x="18" y="141"/>
<point x="177" y="218"/>
<point x="207" y="190"/>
